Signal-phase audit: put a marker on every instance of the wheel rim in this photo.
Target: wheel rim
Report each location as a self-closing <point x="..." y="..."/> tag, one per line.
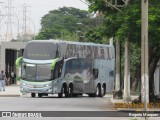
<point x="70" y="91"/>
<point x="63" y="92"/>
<point x="102" y="91"/>
<point x="97" y="91"/>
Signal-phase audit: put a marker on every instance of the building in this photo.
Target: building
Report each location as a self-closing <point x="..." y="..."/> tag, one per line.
<point x="9" y="52"/>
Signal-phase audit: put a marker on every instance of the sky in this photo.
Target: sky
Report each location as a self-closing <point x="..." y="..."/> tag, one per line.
<point x="38" y="8"/>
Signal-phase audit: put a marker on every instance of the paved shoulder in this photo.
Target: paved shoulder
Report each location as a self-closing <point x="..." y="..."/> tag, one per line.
<point x="11" y="91"/>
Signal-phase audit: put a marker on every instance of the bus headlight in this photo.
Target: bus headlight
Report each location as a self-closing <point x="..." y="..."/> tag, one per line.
<point x="47" y="85"/>
<point x="23" y="84"/>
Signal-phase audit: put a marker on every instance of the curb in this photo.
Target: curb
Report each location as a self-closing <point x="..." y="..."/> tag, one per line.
<point x="10" y="95"/>
<point x="128" y="110"/>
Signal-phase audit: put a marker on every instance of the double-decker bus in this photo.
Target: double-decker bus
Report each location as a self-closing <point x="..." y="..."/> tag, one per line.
<point x="66" y="68"/>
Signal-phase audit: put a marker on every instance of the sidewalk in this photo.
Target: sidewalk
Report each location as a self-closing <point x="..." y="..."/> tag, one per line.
<point x="114" y="101"/>
<point x="11" y="91"/>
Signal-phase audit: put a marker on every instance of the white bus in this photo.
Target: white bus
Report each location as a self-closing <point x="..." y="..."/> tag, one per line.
<point x="66" y="68"/>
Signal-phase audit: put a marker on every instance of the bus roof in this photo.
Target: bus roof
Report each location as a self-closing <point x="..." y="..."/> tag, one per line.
<point x="73" y="42"/>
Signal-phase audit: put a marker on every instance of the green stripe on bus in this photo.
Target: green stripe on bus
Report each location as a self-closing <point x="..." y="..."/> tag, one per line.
<point x="54" y="61"/>
<point x="18" y="61"/>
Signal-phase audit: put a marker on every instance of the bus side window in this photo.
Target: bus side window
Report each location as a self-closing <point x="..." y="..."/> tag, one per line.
<point x="60" y="69"/>
<point x="95" y="73"/>
<point x="57" y="70"/>
<point x="52" y="74"/>
<point x="111" y="74"/>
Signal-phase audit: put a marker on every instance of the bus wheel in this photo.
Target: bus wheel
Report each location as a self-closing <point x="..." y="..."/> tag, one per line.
<point x="70" y="91"/>
<point x="91" y="95"/>
<point x="80" y="94"/>
<point x="33" y="94"/>
<point x="102" y="91"/>
<point x="97" y="92"/>
<point x="60" y="95"/>
<point x="40" y="95"/>
<point x="63" y="92"/>
<point x="75" y="95"/>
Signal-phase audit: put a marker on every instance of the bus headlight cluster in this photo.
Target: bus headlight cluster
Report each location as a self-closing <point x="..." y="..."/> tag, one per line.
<point x="47" y="85"/>
<point x="23" y="84"/>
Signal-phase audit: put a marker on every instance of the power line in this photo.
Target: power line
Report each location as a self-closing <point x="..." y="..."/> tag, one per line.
<point x="27" y="32"/>
<point x="85" y="2"/>
<point x="1" y="17"/>
<point x="25" y="20"/>
<point x="9" y="34"/>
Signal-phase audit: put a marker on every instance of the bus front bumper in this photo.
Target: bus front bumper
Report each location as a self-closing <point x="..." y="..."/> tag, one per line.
<point x="25" y="89"/>
<point x="50" y="87"/>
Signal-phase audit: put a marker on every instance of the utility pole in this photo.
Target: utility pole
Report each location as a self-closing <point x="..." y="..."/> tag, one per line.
<point x="127" y="97"/>
<point x="144" y="55"/>
<point x="118" y="68"/>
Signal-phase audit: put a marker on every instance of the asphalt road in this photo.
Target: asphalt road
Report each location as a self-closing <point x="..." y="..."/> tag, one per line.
<point x="52" y="103"/>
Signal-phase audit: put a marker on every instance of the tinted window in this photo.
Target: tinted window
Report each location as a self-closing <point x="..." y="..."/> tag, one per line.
<point x="35" y="72"/>
<point x="41" y="51"/>
<point x="95" y="73"/>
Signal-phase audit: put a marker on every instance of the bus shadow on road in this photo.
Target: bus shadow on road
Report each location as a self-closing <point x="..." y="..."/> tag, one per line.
<point x="56" y="96"/>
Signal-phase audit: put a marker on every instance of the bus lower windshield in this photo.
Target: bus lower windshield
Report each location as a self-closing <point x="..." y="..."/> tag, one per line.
<point x="36" y="72"/>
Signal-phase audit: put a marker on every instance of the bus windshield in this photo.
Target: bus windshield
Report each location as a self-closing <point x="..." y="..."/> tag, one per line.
<point x="41" y="51"/>
<point x="36" y="72"/>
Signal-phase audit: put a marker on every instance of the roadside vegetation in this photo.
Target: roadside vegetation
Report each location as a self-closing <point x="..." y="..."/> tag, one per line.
<point x="110" y="23"/>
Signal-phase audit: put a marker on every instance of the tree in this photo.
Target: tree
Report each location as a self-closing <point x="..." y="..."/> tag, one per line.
<point x="128" y="25"/>
<point x="61" y="23"/>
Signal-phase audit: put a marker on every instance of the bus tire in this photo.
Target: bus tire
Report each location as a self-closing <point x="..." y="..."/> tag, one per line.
<point x="101" y="91"/>
<point x="33" y="95"/>
<point x="45" y="94"/>
<point x="40" y="95"/>
<point x="63" y="92"/>
<point x="91" y="95"/>
<point x="60" y="95"/>
<point x="75" y="95"/>
<point x="104" y="86"/>
<point x="80" y="94"/>
<point x="97" y="92"/>
<point x="70" y="91"/>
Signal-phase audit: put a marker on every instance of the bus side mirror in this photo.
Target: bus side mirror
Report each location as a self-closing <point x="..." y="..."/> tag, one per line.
<point x="18" y="61"/>
<point x="54" y="61"/>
